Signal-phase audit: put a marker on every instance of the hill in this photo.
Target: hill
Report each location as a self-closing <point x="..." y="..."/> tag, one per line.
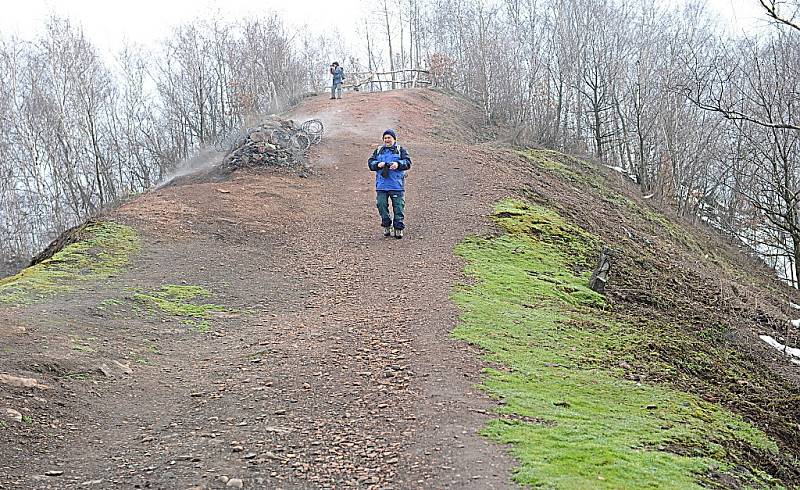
<point x="260" y="330"/>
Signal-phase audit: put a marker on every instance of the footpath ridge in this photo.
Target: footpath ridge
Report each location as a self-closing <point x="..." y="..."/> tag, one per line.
<point x="324" y="357"/>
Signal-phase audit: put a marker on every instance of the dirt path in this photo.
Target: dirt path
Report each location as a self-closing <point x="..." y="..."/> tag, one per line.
<point x="338" y="371"/>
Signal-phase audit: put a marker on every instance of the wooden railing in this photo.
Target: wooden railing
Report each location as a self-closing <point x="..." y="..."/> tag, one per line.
<point x="387" y="80"/>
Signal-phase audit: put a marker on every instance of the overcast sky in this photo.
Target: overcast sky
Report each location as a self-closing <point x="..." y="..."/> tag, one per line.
<point x="108" y="23"/>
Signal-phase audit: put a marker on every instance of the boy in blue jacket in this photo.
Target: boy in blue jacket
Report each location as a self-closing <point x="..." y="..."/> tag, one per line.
<point x="390" y="163"/>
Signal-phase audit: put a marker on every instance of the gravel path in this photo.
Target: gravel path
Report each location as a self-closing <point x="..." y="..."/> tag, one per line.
<point x="337" y="369"/>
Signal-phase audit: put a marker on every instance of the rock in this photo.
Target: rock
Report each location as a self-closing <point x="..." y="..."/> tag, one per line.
<point x="235" y="483"/>
<point x="125" y="368"/>
<point x="53" y="473"/>
<point x="7" y="379"/>
<point x="12" y="414"/>
<point x="103" y="368"/>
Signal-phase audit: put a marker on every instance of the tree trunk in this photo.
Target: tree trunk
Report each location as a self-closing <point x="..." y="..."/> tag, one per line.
<point x="389" y="38"/>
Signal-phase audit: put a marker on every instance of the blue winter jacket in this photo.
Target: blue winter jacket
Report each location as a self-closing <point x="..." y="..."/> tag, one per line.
<point x="390" y="180"/>
<point x="338" y="75"/>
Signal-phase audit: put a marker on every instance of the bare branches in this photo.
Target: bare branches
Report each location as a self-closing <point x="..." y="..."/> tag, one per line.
<point x="772" y="7"/>
<point x="734" y="115"/>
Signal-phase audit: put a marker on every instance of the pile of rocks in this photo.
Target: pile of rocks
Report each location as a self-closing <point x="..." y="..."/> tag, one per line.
<point x="276" y="142"/>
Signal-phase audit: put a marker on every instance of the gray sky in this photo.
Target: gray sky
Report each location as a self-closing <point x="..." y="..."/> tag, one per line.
<point x="743" y="15"/>
<point x="108" y="23"/>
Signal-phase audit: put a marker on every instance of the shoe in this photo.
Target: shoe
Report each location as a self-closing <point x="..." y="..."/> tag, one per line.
<point x="398" y="233"/>
<point x="333" y="98"/>
<point x="387" y="231"/>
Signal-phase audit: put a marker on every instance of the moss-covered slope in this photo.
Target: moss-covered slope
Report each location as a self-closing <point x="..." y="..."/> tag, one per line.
<point x="647" y="387"/>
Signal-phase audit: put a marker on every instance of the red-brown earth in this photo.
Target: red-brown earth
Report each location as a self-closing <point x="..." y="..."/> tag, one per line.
<point x="335" y="368"/>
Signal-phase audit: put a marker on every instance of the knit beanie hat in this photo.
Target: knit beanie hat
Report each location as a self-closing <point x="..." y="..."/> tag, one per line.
<point x="390" y="132"/>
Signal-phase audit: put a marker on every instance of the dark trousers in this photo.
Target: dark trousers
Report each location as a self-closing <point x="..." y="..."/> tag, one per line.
<point x="398" y="204"/>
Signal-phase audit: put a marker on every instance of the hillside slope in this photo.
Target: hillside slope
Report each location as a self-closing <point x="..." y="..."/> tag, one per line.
<point x="262" y="329"/>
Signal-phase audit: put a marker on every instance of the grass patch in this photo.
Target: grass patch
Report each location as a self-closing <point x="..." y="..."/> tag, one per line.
<point x="560" y="346"/>
<point x="103" y="252"/>
<point x="551" y="160"/>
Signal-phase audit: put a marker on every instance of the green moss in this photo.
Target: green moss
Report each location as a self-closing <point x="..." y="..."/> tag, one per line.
<point x="554" y="162"/>
<point x="179" y="301"/>
<point x="109" y="303"/>
<point x="103" y="252"/>
<point x="577" y="172"/>
<point x="202" y="326"/>
<point x="562" y="239"/>
<point x="583" y="175"/>
<point x="673" y="229"/>
<point x="572" y="419"/>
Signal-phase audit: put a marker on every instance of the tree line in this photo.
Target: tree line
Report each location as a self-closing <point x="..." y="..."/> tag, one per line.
<point x="702" y="119"/>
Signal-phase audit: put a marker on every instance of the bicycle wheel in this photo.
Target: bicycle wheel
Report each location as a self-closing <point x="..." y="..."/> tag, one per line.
<point x="314" y="129"/>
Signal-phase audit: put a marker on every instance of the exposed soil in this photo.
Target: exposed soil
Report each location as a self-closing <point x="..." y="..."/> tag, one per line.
<point x="336" y="368"/>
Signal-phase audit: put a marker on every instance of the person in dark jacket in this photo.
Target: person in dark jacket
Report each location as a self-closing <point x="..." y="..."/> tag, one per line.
<point x="390" y="163"/>
<point x="338" y="78"/>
